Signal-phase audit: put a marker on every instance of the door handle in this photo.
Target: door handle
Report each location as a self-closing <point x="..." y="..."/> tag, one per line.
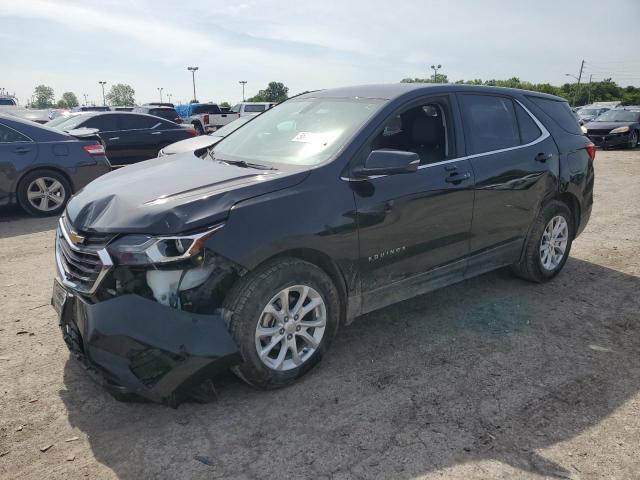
<point x="114" y="138"/>
<point x="156" y="133"/>
<point x="543" y="157"/>
<point x="21" y="150"/>
<point x="457" y="178"/>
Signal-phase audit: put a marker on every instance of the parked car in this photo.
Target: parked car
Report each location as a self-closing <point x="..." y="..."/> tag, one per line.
<point x="588" y="114"/>
<point x="168" y="113"/>
<point x="41" y="168"/>
<point x="205" y="117"/>
<point x="202" y="142"/>
<point x="91" y="108"/>
<point x="160" y="104"/>
<point x="128" y="137"/>
<point x="8" y="101"/>
<point x="251" y="109"/>
<point x="334" y="204"/>
<point x="616" y="128"/>
<point x="121" y="109"/>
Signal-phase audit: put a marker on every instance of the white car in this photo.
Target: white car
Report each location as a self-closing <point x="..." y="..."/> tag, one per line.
<point x="251" y="109"/>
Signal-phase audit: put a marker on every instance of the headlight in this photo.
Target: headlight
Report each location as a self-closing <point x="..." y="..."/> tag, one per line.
<point x="147" y="250"/>
<point x="620" y="130"/>
<point x="584" y="129"/>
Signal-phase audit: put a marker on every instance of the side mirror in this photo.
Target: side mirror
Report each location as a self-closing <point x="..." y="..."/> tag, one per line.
<point x="388" y="162"/>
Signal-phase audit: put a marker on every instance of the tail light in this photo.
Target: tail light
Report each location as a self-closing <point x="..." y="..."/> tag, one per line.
<point x="591" y="150"/>
<point x="94" y="149"/>
<point x="192" y="131"/>
<point x="205" y="119"/>
<point x="177" y="120"/>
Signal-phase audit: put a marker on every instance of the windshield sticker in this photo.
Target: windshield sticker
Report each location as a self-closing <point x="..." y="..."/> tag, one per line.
<point x="308" y="137"/>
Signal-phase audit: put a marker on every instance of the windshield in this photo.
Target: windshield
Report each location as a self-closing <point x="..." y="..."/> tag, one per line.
<point x="231" y="127"/>
<point x="7" y="101"/>
<point x="299" y="132"/>
<point x="67" y="123"/>
<point x="588" y="112"/>
<point x="618" y="116"/>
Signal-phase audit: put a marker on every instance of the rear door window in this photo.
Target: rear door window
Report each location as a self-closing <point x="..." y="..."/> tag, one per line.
<point x="9" y="135"/>
<point x="104" y="123"/>
<point x="138" y="122"/>
<point x="560" y="112"/>
<point x="490" y="123"/>
<point x="529" y="131"/>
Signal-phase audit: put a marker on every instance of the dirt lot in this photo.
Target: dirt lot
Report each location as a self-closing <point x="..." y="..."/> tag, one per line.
<point x="491" y="378"/>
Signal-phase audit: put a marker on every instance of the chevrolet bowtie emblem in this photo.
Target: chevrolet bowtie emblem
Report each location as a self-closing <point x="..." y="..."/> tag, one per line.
<point x="76" y="238"/>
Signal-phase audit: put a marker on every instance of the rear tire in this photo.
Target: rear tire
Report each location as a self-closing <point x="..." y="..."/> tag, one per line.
<point x="548" y="245"/>
<point x="43" y="193"/>
<point x="255" y="328"/>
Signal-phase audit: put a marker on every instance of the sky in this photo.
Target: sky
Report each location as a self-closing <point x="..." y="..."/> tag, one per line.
<point x="71" y="45"/>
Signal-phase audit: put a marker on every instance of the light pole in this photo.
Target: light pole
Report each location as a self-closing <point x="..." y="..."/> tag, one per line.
<point x="169" y="97"/>
<point x="243" y="83"/>
<point x="102" y="84"/>
<point x="193" y="75"/>
<point x="160" y="90"/>
<point x="85" y="98"/>
<point x="435" y="72"/>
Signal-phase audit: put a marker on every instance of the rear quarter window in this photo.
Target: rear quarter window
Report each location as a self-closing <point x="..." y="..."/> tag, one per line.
<point x="560" y="113"/>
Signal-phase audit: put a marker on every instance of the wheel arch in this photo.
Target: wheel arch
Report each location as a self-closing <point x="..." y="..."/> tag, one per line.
<point x="44" y="168"/>
<point x="326" y="264"/>
<point x="571" y="201"/>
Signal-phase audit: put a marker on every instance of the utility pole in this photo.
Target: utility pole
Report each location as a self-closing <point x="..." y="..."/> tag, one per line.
<point x="160" y="90"/>
<point x="243" y="83"/>
<point x="193" y="75"/>
<point x="575" y="94"/>
<point x="435" y="72"/>
<point x="589" y="90"/>
<point x="102" y="84"/>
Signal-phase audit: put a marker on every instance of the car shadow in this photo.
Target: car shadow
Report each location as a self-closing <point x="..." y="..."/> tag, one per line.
<point x="15" y="222"/>
<point x="491" y="368"/>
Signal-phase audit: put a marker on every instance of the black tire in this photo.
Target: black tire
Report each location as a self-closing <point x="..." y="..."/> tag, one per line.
<point x="251" y="295"/>
<point x="633" y="139"/>
<point x="27" y="181"/>
<point x="530" y="265"/>
<point x="198" y="127"/>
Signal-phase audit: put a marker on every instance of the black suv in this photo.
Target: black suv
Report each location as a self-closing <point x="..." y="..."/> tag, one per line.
<point x="333" y="204"/>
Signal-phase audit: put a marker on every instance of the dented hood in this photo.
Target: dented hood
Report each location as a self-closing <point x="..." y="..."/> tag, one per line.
<point x="170" y="195"/>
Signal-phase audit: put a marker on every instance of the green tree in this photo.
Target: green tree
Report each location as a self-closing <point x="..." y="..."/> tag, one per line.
<point x="121" y="95"/>
<point x="43" y="96"/>
<point x="70" y="99"/>
<point x="62" y="104"/>
<point x="275" y="92"/>
<point x="224" y="105"/>
<point x="440" y="78"/>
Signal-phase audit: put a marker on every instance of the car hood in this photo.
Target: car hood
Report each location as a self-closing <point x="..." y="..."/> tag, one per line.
<point x="170" y="195"/>
<point x="191" y="144"/>
<point x="606" y="125"/>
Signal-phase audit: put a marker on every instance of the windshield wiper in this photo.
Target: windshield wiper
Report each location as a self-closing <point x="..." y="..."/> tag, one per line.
<point x="242" y="163"/>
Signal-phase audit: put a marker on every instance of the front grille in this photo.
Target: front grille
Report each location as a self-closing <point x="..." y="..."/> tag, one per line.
<point x="598" y="133"/>
<point x="81" y="265"/>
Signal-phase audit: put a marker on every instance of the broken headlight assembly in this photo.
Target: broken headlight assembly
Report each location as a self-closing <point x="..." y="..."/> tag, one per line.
<point x="147" y="250"/>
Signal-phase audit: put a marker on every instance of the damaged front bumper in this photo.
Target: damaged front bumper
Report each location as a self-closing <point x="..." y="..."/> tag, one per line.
<point x="133" y="345"/>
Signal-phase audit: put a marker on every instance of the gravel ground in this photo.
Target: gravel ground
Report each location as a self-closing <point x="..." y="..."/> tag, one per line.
<point x="490" y="378"/>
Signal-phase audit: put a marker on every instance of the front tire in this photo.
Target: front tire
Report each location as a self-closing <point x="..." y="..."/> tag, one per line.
<point x="284" y="316"/>
<point x="43" y="193"/>
<point x="548" y="245"/>
<point x="633" y="139"/>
